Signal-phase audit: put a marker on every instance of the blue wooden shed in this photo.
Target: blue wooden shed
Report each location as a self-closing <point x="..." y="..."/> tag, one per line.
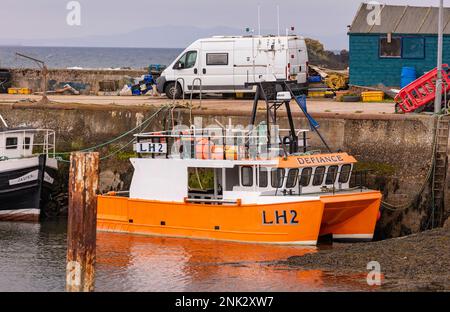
<point x="385" y="39"/>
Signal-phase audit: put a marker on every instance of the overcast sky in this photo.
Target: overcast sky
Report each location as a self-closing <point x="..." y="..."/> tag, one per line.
<point x="325" y="20"/>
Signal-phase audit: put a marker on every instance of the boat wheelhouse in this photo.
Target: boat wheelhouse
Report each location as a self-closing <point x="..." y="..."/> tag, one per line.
<point x="28" y="170"/>
<point x="265" y="187"/>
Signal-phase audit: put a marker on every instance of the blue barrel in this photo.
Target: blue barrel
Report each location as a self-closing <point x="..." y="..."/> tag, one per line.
<point x="408" y="76"/>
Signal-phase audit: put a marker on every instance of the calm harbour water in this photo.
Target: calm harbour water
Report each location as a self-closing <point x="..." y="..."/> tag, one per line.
<point x="64" y="57"/>
<point x="33" y="259"/>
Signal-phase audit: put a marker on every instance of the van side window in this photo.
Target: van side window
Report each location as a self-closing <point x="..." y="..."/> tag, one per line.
<point x="263" y="177"/>
<point x="188" y="60"/>
<point x="213" y="59"/>
<point x="318" y="176"/>
<point x="292" y="178"/>
<point x="331" y="175"/>
<point x="247" y="176"/>
<point x="345" y="173"/>
<point x="305" y="178"/>
<point x="277" y="177"/>
<point x="11" y="143"/>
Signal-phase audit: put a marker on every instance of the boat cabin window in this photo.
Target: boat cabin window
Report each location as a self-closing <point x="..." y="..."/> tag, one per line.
<point x="277" y="177"/>
<point x="345" y="173"/>
<point x="247" y="176"/>
<point x="305" y="177"/>
<point x="331" y="175"/>
<point x="11" y="143"/>
<point x="292" y="178"/>
<point x="26" y="143"/>
<point x="318" y="176"/>
<point x="263" y="180"/>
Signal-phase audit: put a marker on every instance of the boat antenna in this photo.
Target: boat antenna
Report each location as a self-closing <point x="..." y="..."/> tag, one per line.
<point x="259" y="20"/>
<point x="278" y="19"/>
<point x="3" y="121"/>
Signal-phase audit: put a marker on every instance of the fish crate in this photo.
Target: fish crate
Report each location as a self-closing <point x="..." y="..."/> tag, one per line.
<point x="19" y="91"/>
<point x="316" y="94"/>
<point x="372" y="96"/>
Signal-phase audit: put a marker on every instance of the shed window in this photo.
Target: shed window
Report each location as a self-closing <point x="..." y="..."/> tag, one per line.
<point x="318" y="176"/>
<point x="213" y="59"/>
<point x="26" y="143"/>
<point x="413" y="48"/>
<point x="11" y="143"/>
<point x="292" y="178"/>
<point x="263" y="177"/>
<point x="277" y="177"/>
<point x="391" y="49"/>
<point x="331" y="175"/>
<point x="305" y="178"/>
<point x="247" y="176"/>
<point x="345" y="173"/>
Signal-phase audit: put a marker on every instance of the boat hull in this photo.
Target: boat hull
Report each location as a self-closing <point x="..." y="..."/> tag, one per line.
<point x="25" y="187"/>
<point x="290" y="223"/>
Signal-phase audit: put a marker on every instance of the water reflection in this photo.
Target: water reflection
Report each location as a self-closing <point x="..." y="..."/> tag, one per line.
<point x="33" y="259"/>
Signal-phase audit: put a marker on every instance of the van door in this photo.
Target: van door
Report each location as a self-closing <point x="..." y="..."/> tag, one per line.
<point x="217" y="66"/>
<point x="187" y="68"/>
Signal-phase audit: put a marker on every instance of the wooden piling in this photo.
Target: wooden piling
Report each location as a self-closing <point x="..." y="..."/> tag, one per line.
<point x="82" y="222"/>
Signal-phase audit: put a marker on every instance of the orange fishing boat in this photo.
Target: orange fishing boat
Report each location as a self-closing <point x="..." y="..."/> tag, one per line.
<point x="267" y="188"/>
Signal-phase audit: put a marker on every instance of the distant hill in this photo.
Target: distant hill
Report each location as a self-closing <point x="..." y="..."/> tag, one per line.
<point x="157" y="37"/>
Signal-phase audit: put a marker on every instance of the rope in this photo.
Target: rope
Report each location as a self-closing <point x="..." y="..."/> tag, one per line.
<point x="143" y="126"/>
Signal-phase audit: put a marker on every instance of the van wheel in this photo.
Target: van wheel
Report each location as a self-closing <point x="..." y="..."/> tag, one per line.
<point x="170" y="90"/>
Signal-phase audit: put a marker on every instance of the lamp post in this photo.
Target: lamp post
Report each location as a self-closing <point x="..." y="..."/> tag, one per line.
<point x="438" y="99"/>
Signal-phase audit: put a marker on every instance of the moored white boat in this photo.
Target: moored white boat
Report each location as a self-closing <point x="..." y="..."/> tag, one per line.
<point x="28" y="170"/>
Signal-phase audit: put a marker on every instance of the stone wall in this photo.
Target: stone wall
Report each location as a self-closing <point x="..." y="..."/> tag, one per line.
<point x="85" y="81"/>
<point x="397" y="148"/>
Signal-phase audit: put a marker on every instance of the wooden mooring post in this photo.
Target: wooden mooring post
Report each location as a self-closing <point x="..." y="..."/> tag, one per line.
<point x="82" y="222"/>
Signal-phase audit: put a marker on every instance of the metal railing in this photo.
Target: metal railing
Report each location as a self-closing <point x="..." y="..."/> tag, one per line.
<point x="220" y="143"/>
<point x="42" y="142"/>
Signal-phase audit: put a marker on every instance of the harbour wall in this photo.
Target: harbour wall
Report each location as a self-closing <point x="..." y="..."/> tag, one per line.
<point x="396" y="148"/>
<point x="87" y="81"/>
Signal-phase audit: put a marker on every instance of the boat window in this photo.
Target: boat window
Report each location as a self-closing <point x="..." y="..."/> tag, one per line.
<point x="26" y="143"/>
<point x="345" y="173"/>
<point x="263" y="177"/>
<point x="292" y="178"/>
<point x="277" y="177"/>
<point x="331" y="175"/>
<point x="213" y="59"/>
<point x="247" y="176"/>
<point x="188" y="60"/>
<point x="318" y="176"/>
<point x="11" y="143"/>
<point x="305" y="177"/>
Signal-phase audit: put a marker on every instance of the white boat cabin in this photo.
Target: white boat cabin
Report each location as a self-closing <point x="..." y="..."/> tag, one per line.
<point x="24" y="143"/>
<point x="237" y="174"/>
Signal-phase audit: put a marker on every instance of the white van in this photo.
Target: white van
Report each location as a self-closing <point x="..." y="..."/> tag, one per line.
<point x="224" y="64"/>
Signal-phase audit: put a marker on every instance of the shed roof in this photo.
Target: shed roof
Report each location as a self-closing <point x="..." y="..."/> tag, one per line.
<point x="400" y="19"/>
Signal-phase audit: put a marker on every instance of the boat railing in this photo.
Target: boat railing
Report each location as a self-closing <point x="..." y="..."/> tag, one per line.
<point x="27" y="142"/>
<point x="218" y="143"/>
